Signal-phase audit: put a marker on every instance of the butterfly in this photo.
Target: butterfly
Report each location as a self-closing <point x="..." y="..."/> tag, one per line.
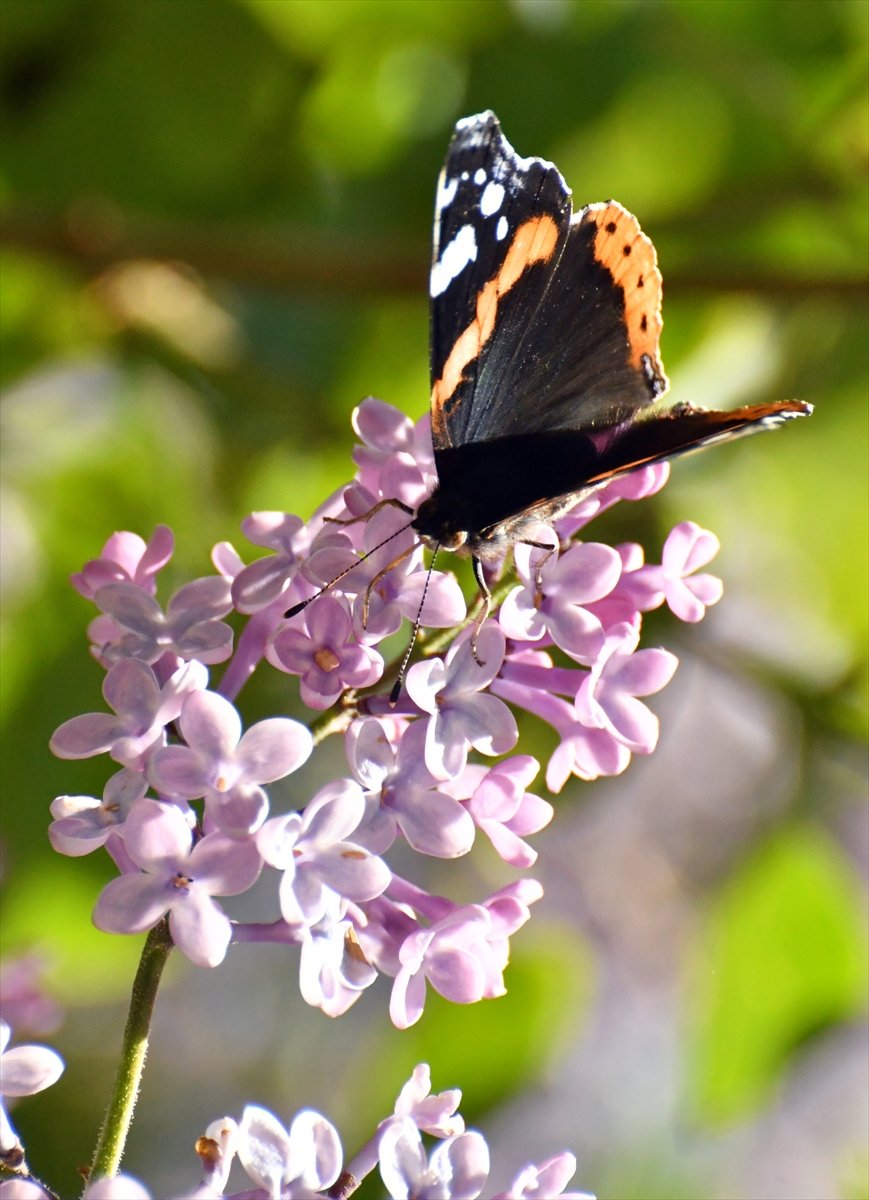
<point x="545" y="368"/>
<point x="546" y="377"/>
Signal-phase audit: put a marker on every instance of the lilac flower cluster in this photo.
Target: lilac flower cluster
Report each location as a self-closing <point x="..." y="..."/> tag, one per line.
<point x="306" y="1160"/>
<point x="186" y="817"/>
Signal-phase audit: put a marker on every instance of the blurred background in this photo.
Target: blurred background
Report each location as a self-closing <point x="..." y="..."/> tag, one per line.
<point x="216" y="237"/>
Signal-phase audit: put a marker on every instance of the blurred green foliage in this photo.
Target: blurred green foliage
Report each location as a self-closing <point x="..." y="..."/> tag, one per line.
<point x="216" y="222"/>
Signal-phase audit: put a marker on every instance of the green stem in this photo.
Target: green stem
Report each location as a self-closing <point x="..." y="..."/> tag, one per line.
<point x="119" y="1115"/>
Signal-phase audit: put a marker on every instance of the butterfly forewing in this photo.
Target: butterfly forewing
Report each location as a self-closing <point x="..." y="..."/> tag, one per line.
<point x="544" y="348"/>
<point x="501" y="223"/>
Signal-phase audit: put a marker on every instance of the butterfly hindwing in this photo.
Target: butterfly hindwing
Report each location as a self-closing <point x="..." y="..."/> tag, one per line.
<point x="589" y="353"/>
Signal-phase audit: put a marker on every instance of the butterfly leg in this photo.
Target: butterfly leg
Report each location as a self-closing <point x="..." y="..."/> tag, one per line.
<point x="485" y="605"/>
<point x="390" y="502"/>
<point x="366" y="603"/>
<point x="541" y="563"/>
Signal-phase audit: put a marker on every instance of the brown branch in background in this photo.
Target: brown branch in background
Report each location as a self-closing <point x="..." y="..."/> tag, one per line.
<point x="94" y="236"/>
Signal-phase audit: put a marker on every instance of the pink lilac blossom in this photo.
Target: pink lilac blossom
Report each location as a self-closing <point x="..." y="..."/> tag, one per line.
<point x="324" y="653"/>
<point x="388" y="584"/>
<point x="553" y="596"/>
<point x="293" y="1164"/>
<point x="142" y="710"/>
<point x="434" y="1114"/>
<point x="190" y="628"/>
<point x="24" y="1070"/>
<point x="225" y="765"/>
<point x="687" y="548"/>
<point x="333" y="970"/>
<point x="562" y="646"/>
<point x="82" y="823"/>
<point x="396" y="459"/>
<point x="126" y="558"/>
<point x="457" y="1170"/>
<point x="402" y="794"/>
<point x="178" y="878"/>
<point x="500" y="807"/>
<point x="528" y="681"/>
<point x="256" y="586"/>
<point x="636" y="592"/>
<point x="385" y="927"/>
<point x="462" y="955"/>
<point x="545" y="1181"/>
<point x="412" y="775"/>
<point x="305" y="1160"/>
<point x="317" y="859"/>
<point x="607" y="698"/>
<point x="461" y="712"/>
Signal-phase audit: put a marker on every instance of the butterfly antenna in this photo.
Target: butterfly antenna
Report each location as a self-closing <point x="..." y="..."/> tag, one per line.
<point x="303" y="604"/>
<point x="397" y="686"/>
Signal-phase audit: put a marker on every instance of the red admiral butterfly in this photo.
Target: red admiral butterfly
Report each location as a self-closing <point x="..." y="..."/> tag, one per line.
<point x="544" y="350"/>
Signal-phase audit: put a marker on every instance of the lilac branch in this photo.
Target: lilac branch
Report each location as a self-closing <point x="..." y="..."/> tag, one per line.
<point x="119" y="1114"/>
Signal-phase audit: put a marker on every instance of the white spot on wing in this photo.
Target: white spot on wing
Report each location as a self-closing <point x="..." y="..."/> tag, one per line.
<point x="479" y="176"/>
<point x="501" y="229"/>
<point x="461" y="251"/>
<point x="446" y="192"/>
<point x="491" y="199"/>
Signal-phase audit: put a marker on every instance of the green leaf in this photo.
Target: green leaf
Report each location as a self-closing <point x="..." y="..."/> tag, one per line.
<point x="781" y="955"/>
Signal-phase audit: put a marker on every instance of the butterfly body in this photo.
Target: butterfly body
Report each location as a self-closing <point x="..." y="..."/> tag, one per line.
<point x="545" y="369"/>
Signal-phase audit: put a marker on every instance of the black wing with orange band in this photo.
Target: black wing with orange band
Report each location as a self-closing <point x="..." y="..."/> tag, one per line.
<point x="545" y="328"/>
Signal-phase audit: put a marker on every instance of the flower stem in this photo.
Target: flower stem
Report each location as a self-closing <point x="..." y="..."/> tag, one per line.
<point x="119" y="1115"/>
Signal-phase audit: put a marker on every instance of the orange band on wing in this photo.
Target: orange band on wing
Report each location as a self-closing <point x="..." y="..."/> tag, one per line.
<point x="629" y="256"/>
<point x="533" y="242"/>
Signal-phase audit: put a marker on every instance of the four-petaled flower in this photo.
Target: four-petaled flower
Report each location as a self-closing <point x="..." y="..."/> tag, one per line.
<point x="259" y="584"/>
<point x="190" y="628"/>
<point x="180" y="878"/>
<point x="688" y="595"/>
<point x="316" y="857"/>
<point x="462" y="955"/>
<point x="83" y="823"/>
<point x="225" y="765"/>
<point x="607" y="698"/>
<point x="459" y="1166"/>
<point x="126" y="558"/>
<point x="554" y="594"/>
<point x="402" y="794"/>
<point x="499" y="805"/>
<point x="143" y="710"/>
<point x="333" y="970"/>
<point x="326" y="653"/>
<point x="462" y="714"/>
